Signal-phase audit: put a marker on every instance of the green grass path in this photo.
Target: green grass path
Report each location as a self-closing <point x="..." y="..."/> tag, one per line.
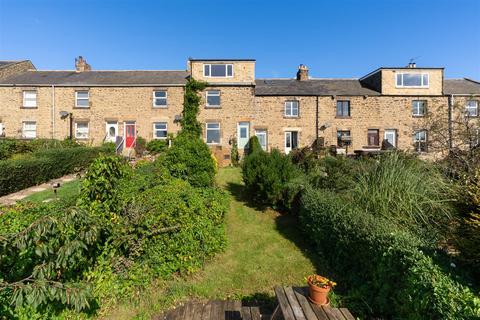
<point x="260" y="254"/>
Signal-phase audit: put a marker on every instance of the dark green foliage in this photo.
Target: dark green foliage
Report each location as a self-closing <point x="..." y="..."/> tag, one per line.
<point x="253" y="145"/>
<point x="157" y="146"/>
<point x="173" y="227"/>
<point x="266" y="176"/>
<point x="10" y="147"/>
<point x="234" y="156"/>
<point x="385" y="270"/>
<point x="42" y="166"/>
<point x="191" y="106"/>
<point x="100" y="192"/>
<point x="42" y="264"/>
<point x="140" y="146"/>
<point x="190" y="159"/>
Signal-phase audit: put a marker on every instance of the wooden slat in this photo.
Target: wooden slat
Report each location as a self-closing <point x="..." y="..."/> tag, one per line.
<point x="295" y="305"/>
<point x="338" y="314"/>
<point x="197" y="310"/>
<point x="347" y="314"/>
<point x="255" y="311"/>
<point x="304" y="303"/>
<point x="246" y="315"/>
<point x="284" y="304"/>
<point x="329" y="312"/>
<point x="207" y="311"/>
<point x="188" y="313"/>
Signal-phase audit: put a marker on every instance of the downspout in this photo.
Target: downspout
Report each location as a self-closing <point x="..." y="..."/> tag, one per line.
<point x="316" y="125"/>
<point x="53" y="111"/>
<point x="450" y="128"/>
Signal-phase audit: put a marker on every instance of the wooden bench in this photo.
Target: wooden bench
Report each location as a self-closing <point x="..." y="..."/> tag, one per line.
<point x="293" y="304"/>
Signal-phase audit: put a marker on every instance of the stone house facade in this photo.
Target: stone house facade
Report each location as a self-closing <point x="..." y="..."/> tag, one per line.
<point x="387" y="107"/>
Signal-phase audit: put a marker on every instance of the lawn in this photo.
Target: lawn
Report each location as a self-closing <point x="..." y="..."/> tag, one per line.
<point x="66" y="190"/>
<point x="264" y="249"/>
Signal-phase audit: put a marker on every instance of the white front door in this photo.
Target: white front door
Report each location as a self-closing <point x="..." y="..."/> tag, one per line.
<point x="243" y="134"/>
<point x="111" y="131"/>
<point x="291" y="141"/>
<point x="391" y="137"/>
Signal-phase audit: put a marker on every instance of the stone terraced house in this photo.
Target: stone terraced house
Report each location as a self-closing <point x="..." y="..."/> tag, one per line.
<point x="384" y="108"/>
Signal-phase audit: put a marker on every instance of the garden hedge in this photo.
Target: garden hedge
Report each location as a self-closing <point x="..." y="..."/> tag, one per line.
<point x="42" y="166"/>
<point x="385" y="271"/>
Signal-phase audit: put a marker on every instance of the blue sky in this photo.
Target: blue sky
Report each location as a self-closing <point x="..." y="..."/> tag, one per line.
<point x="344" y="38"/>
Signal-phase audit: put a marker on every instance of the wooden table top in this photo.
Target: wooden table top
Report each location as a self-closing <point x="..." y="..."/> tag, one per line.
<point x="295" y="305"/>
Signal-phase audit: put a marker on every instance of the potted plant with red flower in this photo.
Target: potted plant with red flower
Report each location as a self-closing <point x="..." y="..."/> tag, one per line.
<point x="319" y="287"/>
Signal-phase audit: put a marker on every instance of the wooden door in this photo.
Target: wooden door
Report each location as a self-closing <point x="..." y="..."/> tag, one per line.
<point x="129" y="135"/>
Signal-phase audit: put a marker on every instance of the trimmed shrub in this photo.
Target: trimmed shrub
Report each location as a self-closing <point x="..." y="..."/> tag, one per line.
<point x="190" y="159"/>
<point x="385" y="270"/>
<point x="253" y="145"/>
<point x="157" y="146"/>
<point x="42" y="166"/>
<point x="234" y="156"/>
<point x="10" y="147"/>
<point x="266" y="176"/>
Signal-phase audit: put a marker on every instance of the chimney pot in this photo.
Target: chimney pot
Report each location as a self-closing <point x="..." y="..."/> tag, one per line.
<point x="412" y="65"/>
<point x="81" y="64"/>
<point x="302" y="73"/>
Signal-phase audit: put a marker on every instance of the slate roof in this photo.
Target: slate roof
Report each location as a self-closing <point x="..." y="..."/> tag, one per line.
<point x="461" y="86"/>
<point x="100" y="78"/>
<point x="293" y="87"/>
<point x="4" y="63"/>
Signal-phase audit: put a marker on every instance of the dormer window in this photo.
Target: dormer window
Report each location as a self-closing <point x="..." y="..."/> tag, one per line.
<point x="218" y="70"/>
<point x="412" y="80"/>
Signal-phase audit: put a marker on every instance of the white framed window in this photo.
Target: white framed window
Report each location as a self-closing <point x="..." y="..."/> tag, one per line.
<point x="412" y="80"/>
<point x="160" y="99"/>
<point x="419" y="107"/>
<point x="420" y="140"/>
<point x="29" y="129"/>
<point x="30" y="99"/>
<point x="213" y="98"/>
<point x="262" y="135"/>
<point x="212" y="132"/>
<point x="291" y="109"/>
<point x="82" y="99"/>
<point x="81" y="130"/>
<point x="160" y="130"/>
<point x="471" y="108"/>
<point x="218" y="70"/>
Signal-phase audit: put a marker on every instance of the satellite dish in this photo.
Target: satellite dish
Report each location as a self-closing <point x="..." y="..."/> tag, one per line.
<point x="64" y="114"/>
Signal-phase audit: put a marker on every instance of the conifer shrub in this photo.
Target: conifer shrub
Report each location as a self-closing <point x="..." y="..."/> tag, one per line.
<point x="266" y="176"/>
<point x="190" y="159"/>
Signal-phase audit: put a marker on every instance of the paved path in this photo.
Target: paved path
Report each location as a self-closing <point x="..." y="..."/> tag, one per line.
<point x="22" y="194"/>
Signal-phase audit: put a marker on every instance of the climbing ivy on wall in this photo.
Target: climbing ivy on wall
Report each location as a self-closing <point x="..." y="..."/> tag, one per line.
<point x="191" y="106"/>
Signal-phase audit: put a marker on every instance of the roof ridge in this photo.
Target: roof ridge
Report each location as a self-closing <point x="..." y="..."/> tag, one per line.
<point x="105" y="71"/>
<point x="471" y="80"/>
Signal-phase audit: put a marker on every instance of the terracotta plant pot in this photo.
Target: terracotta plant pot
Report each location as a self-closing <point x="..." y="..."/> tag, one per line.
<point x="318" y="295"/>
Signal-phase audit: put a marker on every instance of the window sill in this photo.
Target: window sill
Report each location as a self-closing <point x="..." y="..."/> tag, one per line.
<point x="213" y="107"/>
<point x="23" y="107"/>
<point x="80" y="108"/>
<point x="212" y="143"/>
<point x="418" y="116"/>
<point x="291" y="117"/>
<point x="343" y="117"/>
<point x="371" y="147"/>
<point x="160" y="107"/>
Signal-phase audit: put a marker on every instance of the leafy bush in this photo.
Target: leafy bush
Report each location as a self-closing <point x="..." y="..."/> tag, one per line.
<point x="266" y="176"/>
<point x="386" y="270"/>
<point x="190" y="159"/>
<point x="234" y="156"/>
<point x="100" y="192"/>
<point x="41" y="166"/>
<point x="157" y="146"/>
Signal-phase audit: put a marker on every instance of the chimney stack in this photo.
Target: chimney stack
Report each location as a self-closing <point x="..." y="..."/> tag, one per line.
<point x="302" y="73"/>
<point x="81" y="64"/>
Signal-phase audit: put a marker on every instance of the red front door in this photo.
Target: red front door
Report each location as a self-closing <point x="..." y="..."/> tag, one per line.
<point x="129" y="135"/>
